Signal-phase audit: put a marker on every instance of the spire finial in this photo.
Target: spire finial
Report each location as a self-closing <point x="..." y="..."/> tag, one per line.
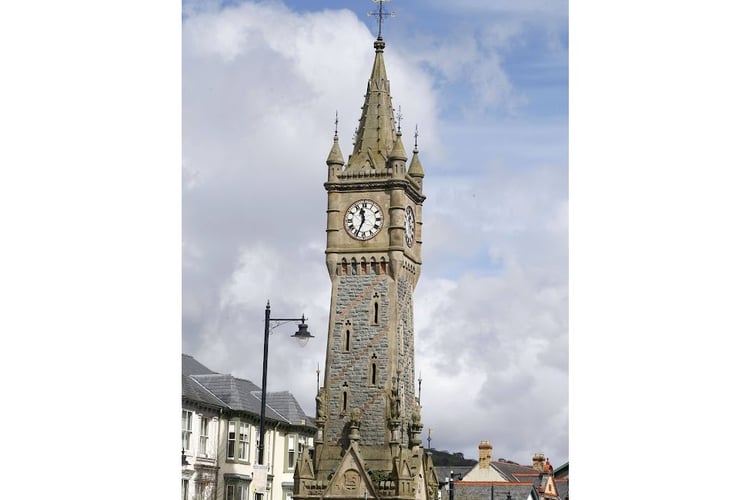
<point x="399" y="118"/>
<point x="336" y="122"/>
<point x="416" y="137"/>
<point x="381" y="14"/>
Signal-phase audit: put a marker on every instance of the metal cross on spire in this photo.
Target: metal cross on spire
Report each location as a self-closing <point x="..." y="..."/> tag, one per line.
<point x="381" y="13"/>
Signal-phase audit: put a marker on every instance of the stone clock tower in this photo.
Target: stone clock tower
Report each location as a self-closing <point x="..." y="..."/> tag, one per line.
<point x="367" y="411"/>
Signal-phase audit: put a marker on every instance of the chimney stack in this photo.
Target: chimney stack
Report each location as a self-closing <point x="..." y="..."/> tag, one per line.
<point x="485" y="450"/>
<point x="538" y="460"/>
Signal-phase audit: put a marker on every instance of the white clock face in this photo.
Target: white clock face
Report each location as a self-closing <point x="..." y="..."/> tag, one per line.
<point x="409" y="226"/>
<point x="364" y="219"/>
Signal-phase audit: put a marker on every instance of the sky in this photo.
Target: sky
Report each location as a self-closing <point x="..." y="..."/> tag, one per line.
<point x="96" y="229"/>
<point x="486" y="85"/>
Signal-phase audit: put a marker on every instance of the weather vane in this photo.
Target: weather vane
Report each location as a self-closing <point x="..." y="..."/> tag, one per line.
<point x="399" y="118"/>
<point x="416" y="136"/>
<point x="381" y="13"/>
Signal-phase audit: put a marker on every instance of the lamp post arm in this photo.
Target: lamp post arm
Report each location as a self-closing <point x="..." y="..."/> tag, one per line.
<point x="302" y="318"/>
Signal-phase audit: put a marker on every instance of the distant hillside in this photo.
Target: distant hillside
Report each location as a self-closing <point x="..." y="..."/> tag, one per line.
<point x="444" y="458"/>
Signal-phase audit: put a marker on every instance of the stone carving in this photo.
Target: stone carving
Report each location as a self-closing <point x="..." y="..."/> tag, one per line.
<point x="355" y="417"/>
<point x="394" y="403"/>
<point x="351" y="480"/>
<point x="321" y="405"/>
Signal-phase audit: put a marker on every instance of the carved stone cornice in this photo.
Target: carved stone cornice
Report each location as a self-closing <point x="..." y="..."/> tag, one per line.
<point x="377" y="185"/>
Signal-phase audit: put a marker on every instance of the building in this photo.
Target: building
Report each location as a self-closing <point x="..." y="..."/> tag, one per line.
<point x="220" y="428"/>
<point x="505" y="480"/>
<point x="368" y="417"/>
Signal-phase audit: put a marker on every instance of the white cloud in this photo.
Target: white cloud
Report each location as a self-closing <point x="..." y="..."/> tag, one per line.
<point x="260" y="87"/>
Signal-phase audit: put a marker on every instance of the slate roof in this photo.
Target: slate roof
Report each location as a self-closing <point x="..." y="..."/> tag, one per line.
<point x="562" y="470"/>
<point x="235" y="393"/>
<point x="193" y="367"/>
<point x="517" y="491"/>
<point x="203" y="385"/>
<point x="287" y="406"/>
<point x="443" y="471"/>
<point x="562" y="486"/>
<point x="195" y="392"/>
<point x="511" y="470"/>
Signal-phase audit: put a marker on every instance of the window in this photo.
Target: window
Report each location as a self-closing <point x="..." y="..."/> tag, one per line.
<point x="238" y="440"/>
<point x="291" y="451"/>
<point x="245" y="441"/>
<point x="375" y="308"/>
<point x="187" y="417"/>
<point x="344" y="397"/>
<point x="237" y="491"/>
<point x="346" y="337"/>
<point x="203" y="438"/>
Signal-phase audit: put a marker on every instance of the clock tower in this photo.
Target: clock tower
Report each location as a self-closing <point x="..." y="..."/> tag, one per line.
<point x="367" y="411"/>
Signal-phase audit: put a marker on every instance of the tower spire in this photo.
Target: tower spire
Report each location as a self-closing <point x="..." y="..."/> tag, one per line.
<point x="376" y="130"/>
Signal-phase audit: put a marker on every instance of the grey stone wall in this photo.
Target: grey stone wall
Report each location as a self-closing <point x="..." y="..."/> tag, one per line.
<point x="354" y="303"/>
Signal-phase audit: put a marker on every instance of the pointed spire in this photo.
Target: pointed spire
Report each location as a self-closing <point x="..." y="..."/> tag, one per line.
<point x="398" y="150"/>
<point x="375" y="135"/>
<point x="416" y="169"/>
<point x="335" y="154"/>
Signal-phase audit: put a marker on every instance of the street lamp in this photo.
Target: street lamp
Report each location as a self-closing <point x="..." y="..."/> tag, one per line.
<point x="303" y="337"/>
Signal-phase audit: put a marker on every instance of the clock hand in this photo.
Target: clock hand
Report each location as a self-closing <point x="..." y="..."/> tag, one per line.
<point x="362" y="218"/>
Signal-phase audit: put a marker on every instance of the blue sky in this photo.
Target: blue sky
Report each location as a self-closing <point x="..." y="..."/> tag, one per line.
<point x="486" y="82"/>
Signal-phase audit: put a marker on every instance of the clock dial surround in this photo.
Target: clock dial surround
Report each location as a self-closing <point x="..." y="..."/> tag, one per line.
<point x="364" y="219"/>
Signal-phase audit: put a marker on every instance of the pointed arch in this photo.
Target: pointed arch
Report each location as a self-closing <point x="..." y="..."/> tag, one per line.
<point x="347" y="336"/>
<point x="373" y="371"/>
<point x="375" y="302"/>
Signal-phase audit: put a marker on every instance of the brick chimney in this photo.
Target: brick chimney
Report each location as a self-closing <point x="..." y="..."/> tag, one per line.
<point x="538" y="460"/>
<point x="485" y="450"/>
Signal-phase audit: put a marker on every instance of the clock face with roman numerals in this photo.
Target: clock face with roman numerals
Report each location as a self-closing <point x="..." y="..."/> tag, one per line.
<point x="409" y="226"/>
<point x="364" y="219"/>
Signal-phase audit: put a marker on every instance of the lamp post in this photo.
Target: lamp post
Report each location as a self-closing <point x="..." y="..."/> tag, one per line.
<point x="303" y="336"/>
